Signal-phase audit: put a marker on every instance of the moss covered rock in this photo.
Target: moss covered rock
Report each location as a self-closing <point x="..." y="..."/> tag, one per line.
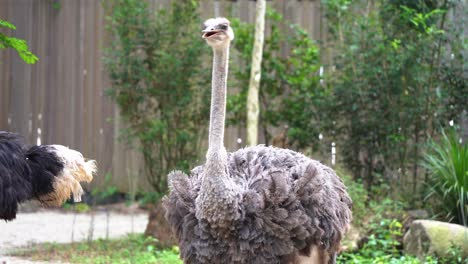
<point x="428" y="237"/>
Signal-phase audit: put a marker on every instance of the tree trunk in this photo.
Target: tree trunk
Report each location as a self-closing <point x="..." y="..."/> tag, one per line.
<point x="464" y="126"/>
<point x="158" y="227"/>
<point x="255" y="75"/>
<point x="416" y="154"/>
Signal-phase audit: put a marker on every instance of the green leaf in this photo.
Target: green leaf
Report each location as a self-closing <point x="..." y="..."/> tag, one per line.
<point x="18" y="44"/>
<point x="7" y="24"/>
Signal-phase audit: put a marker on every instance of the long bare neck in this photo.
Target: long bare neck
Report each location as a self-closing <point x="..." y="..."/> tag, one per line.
<point x="218" y="99"/>
<point x="217" y="201"/>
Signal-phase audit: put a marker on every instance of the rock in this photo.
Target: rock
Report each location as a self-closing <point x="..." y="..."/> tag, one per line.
<point x="428" y="237"/>
<point x="413" y="215"/>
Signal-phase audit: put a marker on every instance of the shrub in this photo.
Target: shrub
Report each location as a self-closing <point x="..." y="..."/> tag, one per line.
<point x="289" y="90"/>
<point x="381" y="245"/>
<point x="159" y="83"/>
<point x="389" y="93"/>
<point x="447" y="162"/>
<point x="358" y="194"/>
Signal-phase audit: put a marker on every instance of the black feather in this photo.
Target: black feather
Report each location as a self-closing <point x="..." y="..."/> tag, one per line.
<point x="25" y="173"/>
<point x="15" y="175"/>
<point x="45" y="166"/>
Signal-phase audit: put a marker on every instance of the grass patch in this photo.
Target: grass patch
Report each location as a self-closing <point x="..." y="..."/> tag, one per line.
<point x="133" y="249"/>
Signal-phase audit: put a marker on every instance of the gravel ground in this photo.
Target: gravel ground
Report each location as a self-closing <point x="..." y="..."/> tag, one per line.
<point x="56" y="226"/>
<point x="13" y="260"/>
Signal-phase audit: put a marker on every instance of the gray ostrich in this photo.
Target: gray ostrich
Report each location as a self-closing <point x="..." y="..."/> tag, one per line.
<point x="256" y="205"/>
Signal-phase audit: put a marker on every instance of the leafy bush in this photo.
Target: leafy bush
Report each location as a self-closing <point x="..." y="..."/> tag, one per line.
<point x="381" y="246"/>
<point x="19" y="45"/>
<point x="101" y="194"/>
<point x="378" y="219"/>
<point x="454" y="255"/>
<point x="289" y="90"/>
<point x="159" y="82"/>
<point x="383" y="63"/>
<point x="358" y="194"/>
<point x="447" y="163"/>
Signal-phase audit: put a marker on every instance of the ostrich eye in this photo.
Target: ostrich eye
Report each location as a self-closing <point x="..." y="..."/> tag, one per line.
<point x="223" y="26"/>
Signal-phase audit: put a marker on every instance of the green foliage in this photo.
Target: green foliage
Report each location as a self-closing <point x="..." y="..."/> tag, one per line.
<point x="358" y="194"/>
<point x="109" y="191"/>
<point x="384" y="235"/>
<point x="19" y="45"/>
<point x="56" y="4"/>
<point x="385" y="60"/>
<point x="133" y="249"/>
<point x="379" y="220"/>
<point x="159" y="83"/>
<point x="447" y="163"/>
<point x="78" y="207"/>
<point x="381" y="246"/>
<point x="169" y="256"/>
<point x="82" y="208"/>
<point x="382" y="258"/>
<point x="289" y="88"/>
<point x="137" y="249"/>
<point x="454" y="255"/>
<point x="146" y="198"/>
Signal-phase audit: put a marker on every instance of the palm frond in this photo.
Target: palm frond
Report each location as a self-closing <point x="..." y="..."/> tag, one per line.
<point x="447" y="163"/>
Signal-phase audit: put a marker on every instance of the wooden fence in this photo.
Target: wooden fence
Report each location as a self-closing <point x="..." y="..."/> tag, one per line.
<point x="61" y="99"/>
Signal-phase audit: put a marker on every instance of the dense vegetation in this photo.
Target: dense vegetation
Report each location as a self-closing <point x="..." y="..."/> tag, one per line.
<point x="383" y="85"/>
<point x="289" y="86"/>
<point x="393" y="75"/>
<point x="447" y="163"/>
<point x="387" y="68"/>
<point x="380" y="221"/>
<point x="158" y="83"/>
<point x="393" y="78"/>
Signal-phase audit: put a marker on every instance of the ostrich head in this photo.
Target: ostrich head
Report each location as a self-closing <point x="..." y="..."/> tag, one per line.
<point x="217" y="32"/>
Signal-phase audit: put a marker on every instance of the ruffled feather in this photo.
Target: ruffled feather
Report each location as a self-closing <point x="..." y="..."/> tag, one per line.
<point x="289" y="205"/>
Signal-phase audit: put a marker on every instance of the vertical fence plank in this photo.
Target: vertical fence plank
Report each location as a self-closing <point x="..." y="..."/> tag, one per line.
<point x="64" y="93"/>
<point x="4" y="74"/>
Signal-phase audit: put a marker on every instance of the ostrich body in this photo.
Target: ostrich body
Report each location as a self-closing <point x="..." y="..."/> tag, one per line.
<point x="47" y="173"/>
<point x="256" y="205"/>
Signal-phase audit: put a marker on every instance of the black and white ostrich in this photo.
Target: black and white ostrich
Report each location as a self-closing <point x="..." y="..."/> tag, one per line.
<point x="256" y="205"/>
<point x="48" y="173"/>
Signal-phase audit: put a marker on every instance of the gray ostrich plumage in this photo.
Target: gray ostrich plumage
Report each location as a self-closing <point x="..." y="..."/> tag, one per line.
<point x="256" y="205"/>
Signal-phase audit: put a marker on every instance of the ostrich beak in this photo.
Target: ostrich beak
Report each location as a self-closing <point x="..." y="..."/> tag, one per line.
<point x="209" y="32"/>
